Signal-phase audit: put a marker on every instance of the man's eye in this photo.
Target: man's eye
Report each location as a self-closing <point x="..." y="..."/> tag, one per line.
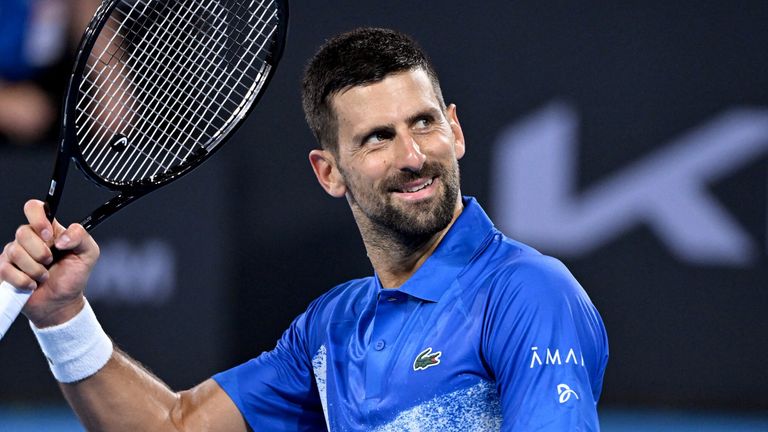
<point x="378" y="137"/>
<point x="423" y="123"/>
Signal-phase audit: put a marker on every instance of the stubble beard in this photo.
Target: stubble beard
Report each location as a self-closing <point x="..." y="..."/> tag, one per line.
<point x="387" y="221"/>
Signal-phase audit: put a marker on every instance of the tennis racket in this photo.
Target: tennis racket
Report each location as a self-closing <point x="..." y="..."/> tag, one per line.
<point x="157" y="87"/>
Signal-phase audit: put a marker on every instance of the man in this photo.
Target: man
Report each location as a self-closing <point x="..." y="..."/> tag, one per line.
<point x="460" y="328"/>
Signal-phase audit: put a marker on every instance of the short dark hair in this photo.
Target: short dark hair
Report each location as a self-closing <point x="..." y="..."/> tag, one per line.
<point x="361" y="56"/>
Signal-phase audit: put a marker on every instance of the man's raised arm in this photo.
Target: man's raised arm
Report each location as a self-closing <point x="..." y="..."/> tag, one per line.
<point x="107" y="389"/>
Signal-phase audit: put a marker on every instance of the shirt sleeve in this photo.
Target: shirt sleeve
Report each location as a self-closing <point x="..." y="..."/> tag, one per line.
<point x="546" y="346"/>
<point x="276" y="391"/>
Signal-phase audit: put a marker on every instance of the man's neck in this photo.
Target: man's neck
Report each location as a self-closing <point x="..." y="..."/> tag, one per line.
<point x="396" y="259"/>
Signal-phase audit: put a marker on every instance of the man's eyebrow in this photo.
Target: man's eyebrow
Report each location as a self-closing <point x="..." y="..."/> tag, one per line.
<point x="427" y="112"/>
<point x="430" y="112"/>
<point x="389" y="127"/>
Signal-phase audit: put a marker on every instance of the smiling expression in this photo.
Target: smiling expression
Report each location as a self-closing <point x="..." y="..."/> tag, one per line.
<point x="398" y="152"/>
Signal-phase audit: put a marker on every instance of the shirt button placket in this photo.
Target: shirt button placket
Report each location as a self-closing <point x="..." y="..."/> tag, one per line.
<point x="387" y="323"/>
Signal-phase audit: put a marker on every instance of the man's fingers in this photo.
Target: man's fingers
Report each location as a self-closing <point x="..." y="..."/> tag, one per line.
<point x="13" y="275"/>
<point x="21" y="259"/>
<point x="34" y="210"/>
<point x="57" y="229"/>
<point x="16" y="278"/>
<point x="34" y="245"/>
<point x="77" y="240"/>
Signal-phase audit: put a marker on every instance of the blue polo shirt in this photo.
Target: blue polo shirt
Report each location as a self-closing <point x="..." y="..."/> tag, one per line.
<point x="488" y="334"/>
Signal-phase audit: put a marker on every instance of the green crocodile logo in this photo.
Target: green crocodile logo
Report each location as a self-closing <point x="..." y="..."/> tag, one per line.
<point x="426" y="359"/>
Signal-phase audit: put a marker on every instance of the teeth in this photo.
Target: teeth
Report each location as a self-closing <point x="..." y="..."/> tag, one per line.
<point x="418" y="188"/>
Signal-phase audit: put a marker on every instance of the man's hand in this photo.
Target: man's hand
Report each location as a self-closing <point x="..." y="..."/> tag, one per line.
<point x="27" y="263"/>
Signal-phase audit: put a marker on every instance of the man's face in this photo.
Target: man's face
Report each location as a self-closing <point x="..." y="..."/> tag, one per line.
<point x="397" y="154"/>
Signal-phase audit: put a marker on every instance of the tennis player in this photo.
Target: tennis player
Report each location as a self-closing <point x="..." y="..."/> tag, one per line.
<point x="459" y="329"/>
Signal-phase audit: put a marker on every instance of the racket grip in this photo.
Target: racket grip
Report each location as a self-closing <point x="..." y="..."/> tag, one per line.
<point x="12" y="300"/>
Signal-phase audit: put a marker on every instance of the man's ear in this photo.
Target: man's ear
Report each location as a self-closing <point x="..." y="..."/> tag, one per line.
<point x="327" y="172"/>
<point x="458" y="134"/>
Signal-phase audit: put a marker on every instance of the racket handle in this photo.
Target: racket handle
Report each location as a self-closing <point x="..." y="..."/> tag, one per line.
<point x="12" y="300"/>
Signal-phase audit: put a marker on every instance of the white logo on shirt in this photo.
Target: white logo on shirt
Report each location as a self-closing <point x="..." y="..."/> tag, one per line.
<point x="565" y="393"/>
<point x="553" y="358"/>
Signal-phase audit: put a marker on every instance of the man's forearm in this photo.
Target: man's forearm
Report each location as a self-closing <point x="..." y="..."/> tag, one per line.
<point x="108" y="390"/>
<point x="124" y="396"/>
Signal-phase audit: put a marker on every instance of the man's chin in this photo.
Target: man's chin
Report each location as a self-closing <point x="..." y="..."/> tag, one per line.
<point x="426" y="216"/>
<point x="425" y="223"/>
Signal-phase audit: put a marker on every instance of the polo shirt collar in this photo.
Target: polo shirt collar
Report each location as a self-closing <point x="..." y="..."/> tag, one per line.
<point x="454" y="252"/>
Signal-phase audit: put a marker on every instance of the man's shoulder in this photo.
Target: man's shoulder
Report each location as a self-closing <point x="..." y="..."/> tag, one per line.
<point x="535" y="287"/>
<point x="507" y="255"/>
<point x="344" y="298"/>
<point x="513" y="265"/>
<point x="353" y="287"/>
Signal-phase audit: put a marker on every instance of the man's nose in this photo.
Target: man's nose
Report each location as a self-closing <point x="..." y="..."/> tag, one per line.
<point x="408" y="155"/>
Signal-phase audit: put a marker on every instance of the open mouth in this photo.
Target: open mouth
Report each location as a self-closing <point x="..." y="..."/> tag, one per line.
<point x="418" y="187"/>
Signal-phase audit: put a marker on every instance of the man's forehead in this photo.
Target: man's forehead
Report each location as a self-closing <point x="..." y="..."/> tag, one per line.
<point x="407" y="90"/>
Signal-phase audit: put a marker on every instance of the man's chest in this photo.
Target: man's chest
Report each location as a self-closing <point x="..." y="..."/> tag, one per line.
<point x="404" y="359"/>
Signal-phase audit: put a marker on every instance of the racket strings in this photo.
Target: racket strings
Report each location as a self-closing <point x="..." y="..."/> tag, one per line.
<point x="166" y="79"/>
<point x="212" y="97"/>
<point x="139" y="98"/>
<point x="155" y="33"/>
<point x="134" y="102"/>
<point x="161" y="119"/>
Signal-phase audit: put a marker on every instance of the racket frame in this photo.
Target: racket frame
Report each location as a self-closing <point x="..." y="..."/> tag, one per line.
<point x="127" y="193"/>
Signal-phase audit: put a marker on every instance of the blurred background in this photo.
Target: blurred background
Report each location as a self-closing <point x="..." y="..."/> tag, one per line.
<point x="629" y="139"/>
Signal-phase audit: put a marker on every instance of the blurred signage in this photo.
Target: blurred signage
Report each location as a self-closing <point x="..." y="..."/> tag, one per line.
<point x="534" y="188"/>
<point x="134" y="273"/>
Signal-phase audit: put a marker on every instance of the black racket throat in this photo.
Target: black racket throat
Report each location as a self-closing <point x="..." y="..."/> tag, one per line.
<point x="56" y="190"/>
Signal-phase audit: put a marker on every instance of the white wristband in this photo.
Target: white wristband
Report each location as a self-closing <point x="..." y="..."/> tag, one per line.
<point x="77" y="348"/>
